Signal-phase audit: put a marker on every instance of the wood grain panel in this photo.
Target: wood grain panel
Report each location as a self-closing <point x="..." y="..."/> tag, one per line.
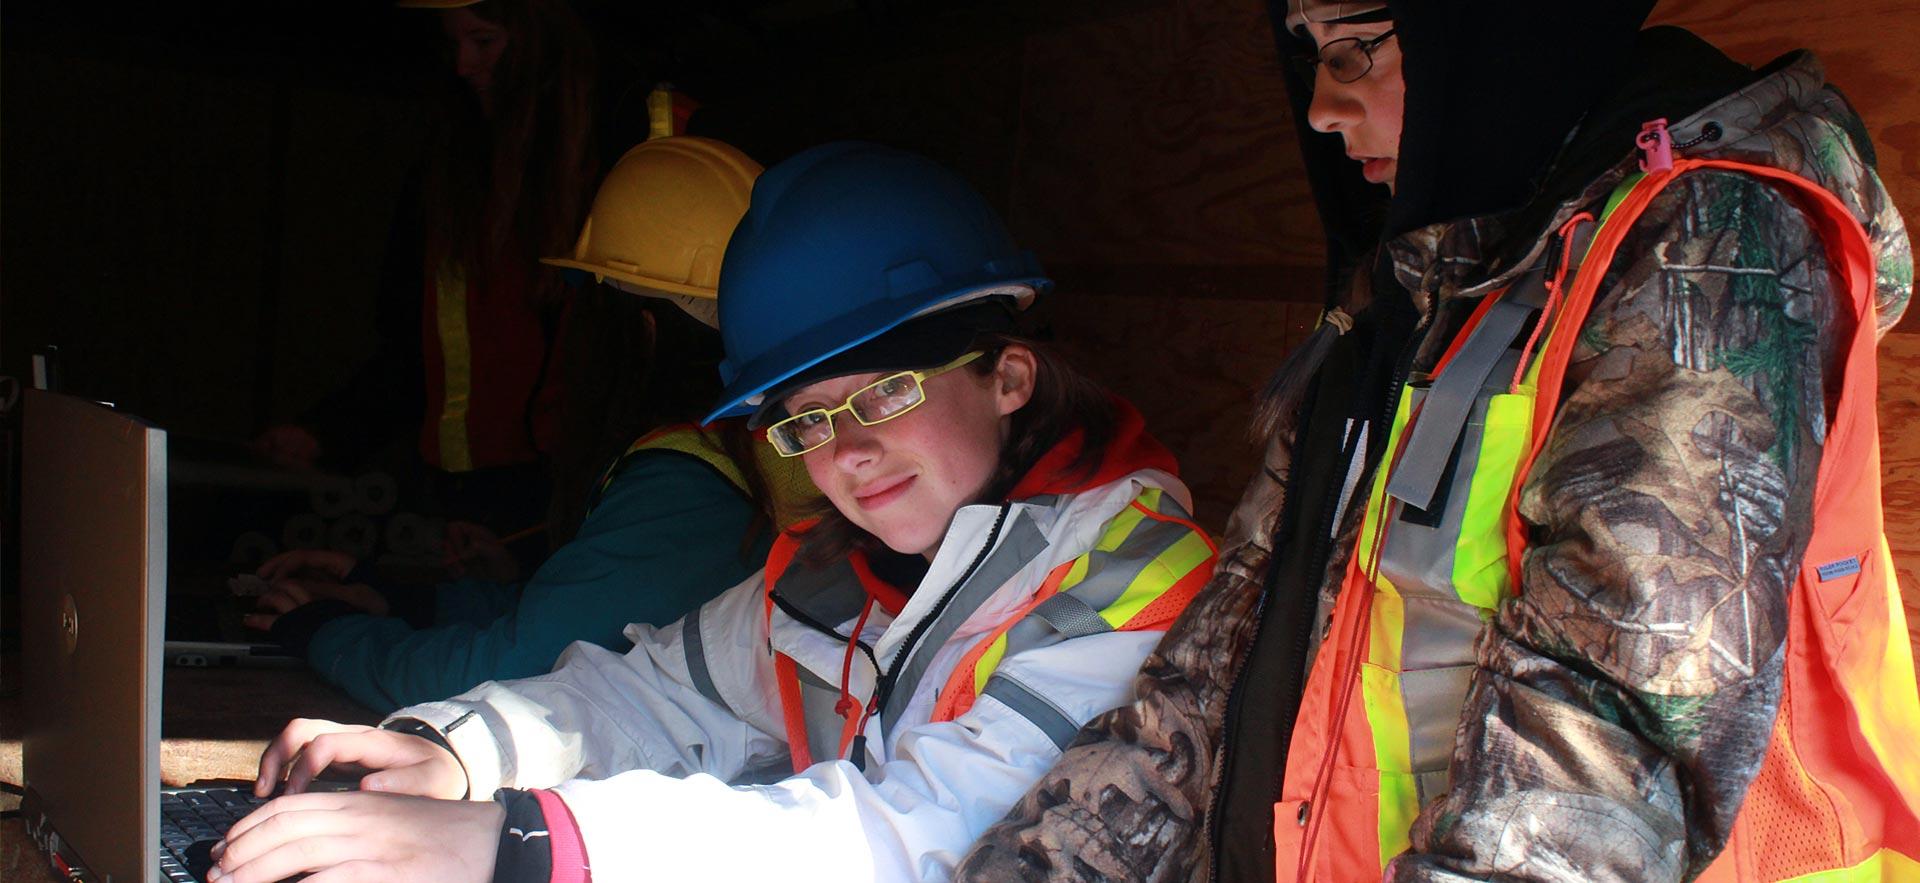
<point x="1161" y="136"/>
<point x="1193" y="366"/>
<point x="1867" y="47"/>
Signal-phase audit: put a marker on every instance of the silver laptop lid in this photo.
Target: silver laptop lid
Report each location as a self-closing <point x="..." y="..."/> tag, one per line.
<point x="93" y="575"/>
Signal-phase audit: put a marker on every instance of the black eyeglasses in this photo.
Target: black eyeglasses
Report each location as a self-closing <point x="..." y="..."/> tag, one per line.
<point x="1350" y="58"/>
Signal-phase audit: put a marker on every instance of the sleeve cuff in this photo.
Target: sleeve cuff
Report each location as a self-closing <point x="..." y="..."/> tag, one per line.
<point x="568" y="856"/>
<point x="539" y="840"/>
<point x="464" y="733"/>
<point x="294" y="629"/>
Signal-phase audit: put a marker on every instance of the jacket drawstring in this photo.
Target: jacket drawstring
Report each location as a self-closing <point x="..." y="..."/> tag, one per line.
<point x="849" y="707"/>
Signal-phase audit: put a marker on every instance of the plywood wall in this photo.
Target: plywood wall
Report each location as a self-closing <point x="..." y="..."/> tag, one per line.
<point x="1180" y="226"/>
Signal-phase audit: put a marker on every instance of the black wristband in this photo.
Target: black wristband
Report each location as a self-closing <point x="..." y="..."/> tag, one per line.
<point x="526" y="851"/>
<point x="414" y="727"/>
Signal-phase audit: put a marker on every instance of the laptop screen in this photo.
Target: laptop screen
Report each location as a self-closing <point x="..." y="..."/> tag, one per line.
<point x="93" y="576"/>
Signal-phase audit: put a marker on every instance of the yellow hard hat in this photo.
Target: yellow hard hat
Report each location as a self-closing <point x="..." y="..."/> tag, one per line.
<point x="663" y="216"/>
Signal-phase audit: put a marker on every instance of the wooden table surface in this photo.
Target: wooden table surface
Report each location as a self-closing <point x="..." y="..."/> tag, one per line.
<point x="213" y="725"/>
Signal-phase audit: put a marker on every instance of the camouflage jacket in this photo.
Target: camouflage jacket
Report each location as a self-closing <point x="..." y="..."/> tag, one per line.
<point x="1697" y="400"/>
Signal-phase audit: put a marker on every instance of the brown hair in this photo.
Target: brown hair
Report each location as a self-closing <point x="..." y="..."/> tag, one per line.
<point x="1063" y="400"/>
<point x="504" y="190"/>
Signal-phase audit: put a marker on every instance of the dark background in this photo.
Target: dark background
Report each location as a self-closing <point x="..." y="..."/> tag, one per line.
<point x="195" y="197"/>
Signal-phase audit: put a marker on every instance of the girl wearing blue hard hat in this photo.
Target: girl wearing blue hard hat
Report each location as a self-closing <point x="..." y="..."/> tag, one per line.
<point x="1004" y="546"/>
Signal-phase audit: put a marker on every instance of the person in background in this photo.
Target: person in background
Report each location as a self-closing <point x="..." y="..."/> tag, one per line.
<point x="466" y="362"/>
<point x="1003" y="545"/>
<point x="682" y="513"/>
<point x="1567" y="562"/>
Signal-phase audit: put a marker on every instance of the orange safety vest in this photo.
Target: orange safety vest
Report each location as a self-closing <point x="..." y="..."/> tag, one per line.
<point x="485" y="350"/>
<point x="1149" y="562"/>
<point x="1838" y="794"/>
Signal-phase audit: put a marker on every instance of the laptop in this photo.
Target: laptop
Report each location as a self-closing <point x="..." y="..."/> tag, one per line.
<point x="93" y="577"/>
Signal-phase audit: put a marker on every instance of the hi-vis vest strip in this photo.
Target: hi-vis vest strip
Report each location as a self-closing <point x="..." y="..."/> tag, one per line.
<point x="785" y="478"/>
<point x="1149" y="562"/>
<point x="1838" y="795"/>
<point x="456" y="360"/>
<point x="1140" y="575"/>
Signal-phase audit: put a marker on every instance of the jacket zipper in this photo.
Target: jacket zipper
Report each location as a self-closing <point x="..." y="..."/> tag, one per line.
<point x="800" y="616"/>
<point x="1291" y="697"/>
<point x="884" y="689"/>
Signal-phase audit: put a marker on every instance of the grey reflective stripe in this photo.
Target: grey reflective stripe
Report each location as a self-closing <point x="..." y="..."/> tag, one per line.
<point x="1427" y="786"/>
<point x="1434" y="698"/>
<point x="1418" y="558"/>
<point x="831" y="595"/>
<point x="1109" y="574"/>
<point x="1076" y="611"/>
<point x="1170" y="506"/>
<point x="1438" y="632"/>
<point x="1034" y="707"/>
<point x="1071" y="617"/>
<point x="1022" y="543"/>
<point x="1444" y="413"/>
<point x="696" y="649"/>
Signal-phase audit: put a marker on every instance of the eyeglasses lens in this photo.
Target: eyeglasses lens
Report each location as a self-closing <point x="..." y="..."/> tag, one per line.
<point x="802" y="433"/>
<point x="1345" y="60"/>
<point x="876" y="403"/>
<point x="887" y="399"/>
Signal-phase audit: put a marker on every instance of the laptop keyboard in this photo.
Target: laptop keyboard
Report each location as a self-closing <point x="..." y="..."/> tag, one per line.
<point x="191" y="821"/>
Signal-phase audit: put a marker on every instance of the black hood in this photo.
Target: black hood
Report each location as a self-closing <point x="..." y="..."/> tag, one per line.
<point x="1495" y="92"/>
<point x="1494" y="88"/>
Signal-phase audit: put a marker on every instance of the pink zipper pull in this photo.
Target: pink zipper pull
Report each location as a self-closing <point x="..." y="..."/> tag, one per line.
<point x="1657" y="146"/>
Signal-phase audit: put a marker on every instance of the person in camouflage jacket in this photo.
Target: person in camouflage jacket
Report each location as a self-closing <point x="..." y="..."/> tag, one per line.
<point x="1699" y="393"/>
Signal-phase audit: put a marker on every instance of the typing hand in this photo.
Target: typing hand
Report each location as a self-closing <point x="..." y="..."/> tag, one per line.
<point x="402" y="763"/>
<point x="364" y="836"/>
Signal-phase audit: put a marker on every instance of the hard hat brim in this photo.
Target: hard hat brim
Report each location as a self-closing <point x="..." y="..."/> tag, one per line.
<point x="661" y="285"/>
<point x="747" y="393"/>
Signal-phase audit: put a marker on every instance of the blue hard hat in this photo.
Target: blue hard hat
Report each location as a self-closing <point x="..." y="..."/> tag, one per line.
<point x="843" y="243"/>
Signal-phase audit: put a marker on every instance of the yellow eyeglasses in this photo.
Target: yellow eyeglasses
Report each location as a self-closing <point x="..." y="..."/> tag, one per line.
<point x="873" y="404"/>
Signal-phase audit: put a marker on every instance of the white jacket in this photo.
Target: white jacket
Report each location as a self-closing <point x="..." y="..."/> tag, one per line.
<point x="642" y="746"/>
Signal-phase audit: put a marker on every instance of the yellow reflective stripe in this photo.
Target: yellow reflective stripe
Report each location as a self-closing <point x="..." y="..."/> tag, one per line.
<point x="1619" y="195"/>
<point x="1171" y="565"/>
<point x="456" y="360"/>
<point x="1393" y="757"/>
<point x="1886" y="864"/>
<point x="1177" y="561"/>
<point x="1480" y="576"/>
<point x="1370" y="526"/>
<point x="1118" y="531"/>
<point x="1894" y="708"/>
<point x="786" y="477"/>
<point x="694" y="443"/>
<point x="989" y="661"/>
<point x="1380" y="693"/>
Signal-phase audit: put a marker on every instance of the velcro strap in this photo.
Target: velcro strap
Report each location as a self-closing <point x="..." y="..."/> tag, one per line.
<point x="1443" y="414"/>
<point x="1071" y="616"/>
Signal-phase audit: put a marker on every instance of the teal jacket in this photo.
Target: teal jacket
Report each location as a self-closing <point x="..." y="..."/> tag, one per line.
<point x="666" y="536"/>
